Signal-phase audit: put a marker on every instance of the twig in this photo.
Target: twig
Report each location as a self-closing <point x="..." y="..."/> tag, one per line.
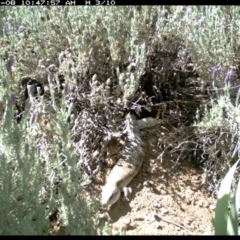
<point x="178" y="225"/>
<point x="155" y="213"/>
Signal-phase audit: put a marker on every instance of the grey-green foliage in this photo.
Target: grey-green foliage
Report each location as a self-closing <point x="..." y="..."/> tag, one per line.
<point x="20" y="180"/>
<point x="2" y="14"/>
<point x="28" y="191"/>
<point x="97" y="34"/>
<point x="91" y="34"/>
<point x="212" y="34"/>
<point x="37" y="36"/>
<point x="38" y="179"/>
<point x="216" y="117"/>
<point x="224" y="114"/>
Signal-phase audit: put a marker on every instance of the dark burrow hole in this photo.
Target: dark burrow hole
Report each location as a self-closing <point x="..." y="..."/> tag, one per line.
<point x="150" y="95"/>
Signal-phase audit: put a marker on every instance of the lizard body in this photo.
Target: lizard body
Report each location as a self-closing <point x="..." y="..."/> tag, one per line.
<point x="129" y="165"/>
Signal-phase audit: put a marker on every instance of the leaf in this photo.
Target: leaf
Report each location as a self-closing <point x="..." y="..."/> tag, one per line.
<point x="232" y="227"/>
<point x="221" y="214"/>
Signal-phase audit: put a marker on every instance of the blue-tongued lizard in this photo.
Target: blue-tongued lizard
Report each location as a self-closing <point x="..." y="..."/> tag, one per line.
<point x="129" y="165"/>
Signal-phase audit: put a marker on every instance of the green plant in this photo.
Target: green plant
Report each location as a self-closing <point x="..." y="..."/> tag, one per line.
<point x="227" y="223"/>
<point x="39" y="163"/>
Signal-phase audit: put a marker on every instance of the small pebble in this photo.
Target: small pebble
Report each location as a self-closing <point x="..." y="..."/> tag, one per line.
<point x="164" y="210"/>
<point x="200" y="203"/>
<point x="146" y="183"/>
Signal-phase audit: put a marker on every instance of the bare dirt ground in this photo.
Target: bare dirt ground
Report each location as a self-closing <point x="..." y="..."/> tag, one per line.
<point x="164" y="200"/>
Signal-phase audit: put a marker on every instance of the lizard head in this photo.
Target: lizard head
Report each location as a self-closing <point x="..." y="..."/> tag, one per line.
<point x="110" y="195"/>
